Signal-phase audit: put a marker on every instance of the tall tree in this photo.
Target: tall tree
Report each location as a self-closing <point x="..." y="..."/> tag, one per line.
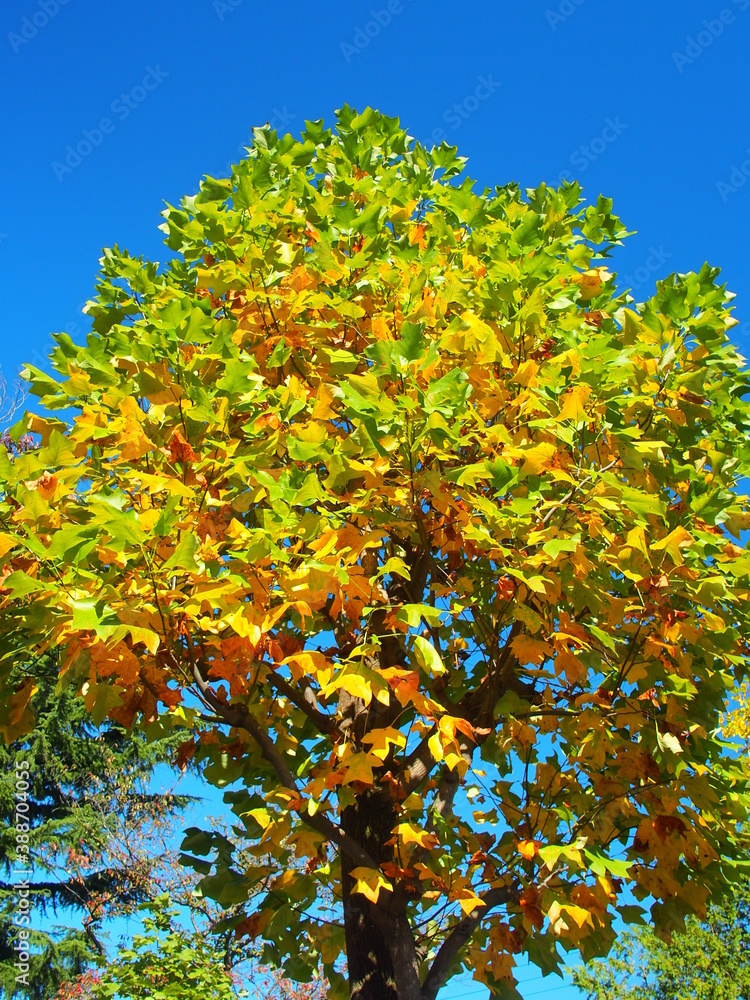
<point x="709" y="960"/>
<point x="96" y="838"/>
<point x="383" y="480"/>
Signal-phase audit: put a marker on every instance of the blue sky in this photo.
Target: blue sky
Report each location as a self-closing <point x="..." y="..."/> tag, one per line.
<point x="110" y="110"/>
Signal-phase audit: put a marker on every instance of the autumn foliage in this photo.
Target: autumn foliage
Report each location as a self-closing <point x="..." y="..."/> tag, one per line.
<point x="440" y="532"/>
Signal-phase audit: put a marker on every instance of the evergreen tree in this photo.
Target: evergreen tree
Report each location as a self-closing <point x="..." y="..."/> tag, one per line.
<point x="97" y="836"/>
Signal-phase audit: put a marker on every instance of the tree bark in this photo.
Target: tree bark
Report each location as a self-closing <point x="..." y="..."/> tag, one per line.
<point x="370" y="821"/>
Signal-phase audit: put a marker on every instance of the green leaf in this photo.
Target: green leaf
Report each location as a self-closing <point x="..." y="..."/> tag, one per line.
<point x="20" y="585"/>
<point x="604" y="637"/>
<point x="428" y="657"/>
<point x="413" y="614"/>
<point x="555" y="546"/>
<point x="601" y="864"/>
<point x="185" y="555"/>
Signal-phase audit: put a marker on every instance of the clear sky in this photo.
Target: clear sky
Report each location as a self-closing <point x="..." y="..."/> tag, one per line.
<point x="109" y="110"/>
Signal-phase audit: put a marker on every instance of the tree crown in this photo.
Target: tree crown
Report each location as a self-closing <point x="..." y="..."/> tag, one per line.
<point x="386" y="478"/>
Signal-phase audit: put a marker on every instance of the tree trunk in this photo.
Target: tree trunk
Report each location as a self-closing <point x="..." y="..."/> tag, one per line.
<point x="370" y="820"/>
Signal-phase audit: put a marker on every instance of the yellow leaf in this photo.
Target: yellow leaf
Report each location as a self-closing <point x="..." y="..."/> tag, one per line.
<point x="415" y="835"/>
<point x="713" y="622"/>
<point x="383" y="739"/>
<point x="671" y="742"/>
<point x="436" y="746"/>
<point x="46" y="486"/>
<point x="559" y="912"/>
<point x="537" y="459"/>
<point x="428" y="657"/>
<point x="526" y="374"/>
<point x="573" y="404"/>
<point x="134" y="444"/>
<point x="637" y="540"/>
<point x="525" y="734"/>
<point x="6" y="544"/>
<point x="309" y="663"/>
<point x="358" y="768"/>
<point x="150" y="639"/>
<point x="417" y="235"/>
<point x="570" y="665"/>
<point x="244" y="628"/>
<point x="591" y="282"/>
<point x="528" y="650"/>
<point x="456" y="760"/>
<point x="380" y="328"/>
<point x="158" y="484"/>
<point x="369" y="882"/>
<point x="354" y="684"/>
<point x="467" y="900"/>
<point x="630" y="557"/>
<point x="273" y="616"/>
<point x="148" y="518"/>
<point x="285" y="880"/>
<point x="673" y="543"/>
<point x="260" y="815"/>
<point x="237" y="531"/>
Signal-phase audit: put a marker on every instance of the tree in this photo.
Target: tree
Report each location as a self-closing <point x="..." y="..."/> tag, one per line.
<point x="384" y="481"/>
<point x="166" y="962"/>
<point x="710" y="960"/>
<point x="97" y="836"/>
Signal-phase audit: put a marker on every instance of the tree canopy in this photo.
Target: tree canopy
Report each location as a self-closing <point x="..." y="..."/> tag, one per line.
<point x="383" y="479"/>
<point x="709" y="960"/>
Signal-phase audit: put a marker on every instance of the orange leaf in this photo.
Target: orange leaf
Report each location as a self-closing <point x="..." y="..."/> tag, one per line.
<point x="417" y="235"/>
<point x="528" y="849"/>
<point x="528" y="650"/>
<point x="180" y="449"/>
<point x="46" y="485"/>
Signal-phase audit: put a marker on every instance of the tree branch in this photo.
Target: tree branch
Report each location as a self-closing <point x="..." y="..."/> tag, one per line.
<point x="458" y="937"/>
<point x="420" y="762"/>
<point x="308" y="703"/>
<point x="239" y="717"/>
